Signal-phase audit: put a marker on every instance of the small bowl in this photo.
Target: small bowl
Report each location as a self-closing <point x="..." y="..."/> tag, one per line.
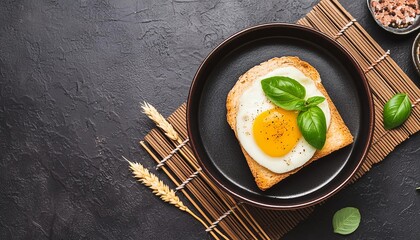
<point x="415" y="53"/>
<point x="399" y="31"/>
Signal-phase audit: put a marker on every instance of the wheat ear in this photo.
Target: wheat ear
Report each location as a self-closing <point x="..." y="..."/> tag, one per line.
<point x="160" y="121"/>
<point x="144" y="176"/>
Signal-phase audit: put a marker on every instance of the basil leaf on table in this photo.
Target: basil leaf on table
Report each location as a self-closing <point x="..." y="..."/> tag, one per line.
<point x="346" y="220"/>
<point x="396" y="110"/>
<point x="313" y="126"/>
<point x="313" y="101"/>
<point x="284" y="92"/>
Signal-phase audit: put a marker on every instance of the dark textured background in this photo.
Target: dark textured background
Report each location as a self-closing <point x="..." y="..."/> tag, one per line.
<point x="72" y="74"/>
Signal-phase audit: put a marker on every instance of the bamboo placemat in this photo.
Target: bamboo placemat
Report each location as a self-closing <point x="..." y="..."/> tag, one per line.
<point x="241" y="221"/>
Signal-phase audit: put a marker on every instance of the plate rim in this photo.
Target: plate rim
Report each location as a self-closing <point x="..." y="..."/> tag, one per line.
<point x="414" y="53"/>
<point x="193" y="140"/>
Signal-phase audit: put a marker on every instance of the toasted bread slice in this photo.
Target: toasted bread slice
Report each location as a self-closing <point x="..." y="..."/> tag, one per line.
<point x="338" y="135"/>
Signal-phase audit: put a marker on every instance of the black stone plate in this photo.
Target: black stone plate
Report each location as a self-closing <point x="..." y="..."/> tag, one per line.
<point x="218" y="150"/>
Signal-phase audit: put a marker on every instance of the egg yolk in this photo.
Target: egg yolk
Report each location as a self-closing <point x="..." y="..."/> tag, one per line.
<point x="276" y="131"/>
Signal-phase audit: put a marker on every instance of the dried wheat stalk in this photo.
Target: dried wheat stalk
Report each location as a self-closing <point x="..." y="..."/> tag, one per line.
<point x="162" y="190"/>
<point x="169" y="130"/>
<point x="158" y="187"/>
<point x="160" y="121"/>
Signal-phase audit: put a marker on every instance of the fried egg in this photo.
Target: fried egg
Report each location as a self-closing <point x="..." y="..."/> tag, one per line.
<point x="269" y="134"/>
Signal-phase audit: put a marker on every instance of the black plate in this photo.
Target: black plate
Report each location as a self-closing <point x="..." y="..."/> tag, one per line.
<point x="214" y="142"/>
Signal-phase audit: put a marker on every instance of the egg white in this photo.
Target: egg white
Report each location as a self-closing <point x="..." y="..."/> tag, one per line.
<point x="253" y="102"/>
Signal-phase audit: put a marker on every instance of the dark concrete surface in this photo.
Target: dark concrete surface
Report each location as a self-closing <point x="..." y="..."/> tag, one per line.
<point x="72" y="74"/>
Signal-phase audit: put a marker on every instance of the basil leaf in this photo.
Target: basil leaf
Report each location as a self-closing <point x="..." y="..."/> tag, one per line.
<point x="299" y="105"/>
<point x="396" y="110"/>
<point x="346" y="220"/>
<point x="313" y="101"/>
<point x="284" y="92"/>
<point x="313" y="126"/>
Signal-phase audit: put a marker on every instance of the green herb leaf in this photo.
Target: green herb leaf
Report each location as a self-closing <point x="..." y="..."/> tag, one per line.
<point x="396" y="110"/>
<point x="346" y="220"/>
<point x="289" y="94"/>
<point x="313" y="126"/>
<point x="418" y="188"/>
<point x="313" y="101"/>
<point x="284" y="92"/>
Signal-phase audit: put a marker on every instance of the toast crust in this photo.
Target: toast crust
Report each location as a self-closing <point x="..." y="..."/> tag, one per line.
<point x="338" y="135"/>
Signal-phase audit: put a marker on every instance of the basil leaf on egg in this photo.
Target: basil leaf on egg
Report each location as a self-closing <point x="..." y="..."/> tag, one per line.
<point x="346" y="220"/>
<point x="313" y="101"/>
<point x="289" y="94"/>
<point x="313" y="126"/>
<point x="284" y="92"/>
<point x="396" y="110"/>
<point x="299" y="105"/>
